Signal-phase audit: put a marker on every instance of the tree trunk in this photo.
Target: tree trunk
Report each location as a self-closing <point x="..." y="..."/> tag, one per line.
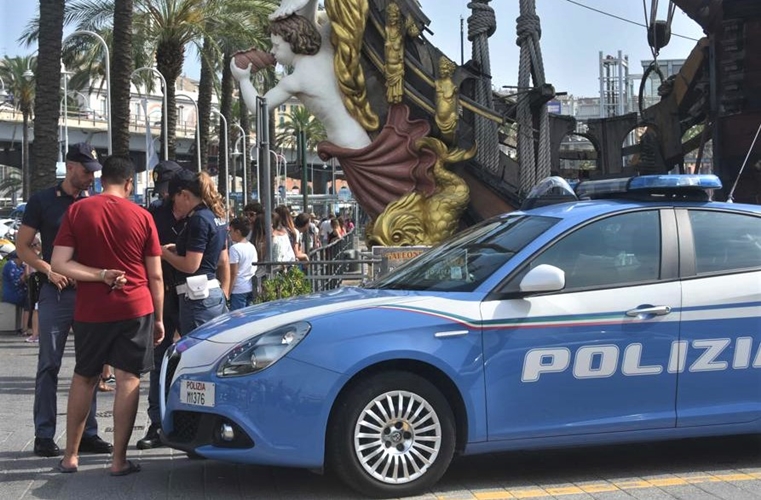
<point x="169" y="58"/>
<point x="226" y="109"/>
<point x="205" y="89"/>
<point x="48" y="94"/>
<point x="121" y="70"/>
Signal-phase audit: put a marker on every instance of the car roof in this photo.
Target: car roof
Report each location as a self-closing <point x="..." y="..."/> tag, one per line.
<point x="587" y="209"/>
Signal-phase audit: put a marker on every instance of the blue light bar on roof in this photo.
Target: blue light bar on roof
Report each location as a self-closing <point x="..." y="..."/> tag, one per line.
<point x="645" y="183"/>
<point x="590" y="189"/>
<point x="674" y="182"/>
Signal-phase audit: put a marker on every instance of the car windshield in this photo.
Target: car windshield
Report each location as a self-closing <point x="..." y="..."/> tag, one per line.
<point x="462" y="263"/>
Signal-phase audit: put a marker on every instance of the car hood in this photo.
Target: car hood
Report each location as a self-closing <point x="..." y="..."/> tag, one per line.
<point x="240" y="325"/>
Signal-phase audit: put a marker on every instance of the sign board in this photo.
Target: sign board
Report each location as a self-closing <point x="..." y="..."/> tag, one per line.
<point x="555" y="107"/>
<point x="393" y="257"/>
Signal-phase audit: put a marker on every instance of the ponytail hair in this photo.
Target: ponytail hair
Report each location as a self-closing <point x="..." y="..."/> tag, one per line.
<point x="209" y="194"/>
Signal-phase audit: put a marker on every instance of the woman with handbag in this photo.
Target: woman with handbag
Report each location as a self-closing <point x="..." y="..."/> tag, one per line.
<point x="195" y="256"/>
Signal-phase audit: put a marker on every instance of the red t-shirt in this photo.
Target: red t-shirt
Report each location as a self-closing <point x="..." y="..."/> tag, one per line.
<point x="108" y="232"/>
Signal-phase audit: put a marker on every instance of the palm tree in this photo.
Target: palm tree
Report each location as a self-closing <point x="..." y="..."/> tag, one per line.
<point x="21" y="87"/>
<point x="11" y="184"/>
<point x="205" y="92"/>
<point x="298" y="119"/>
<point x="121" y="70"/>
<point x="168" y="27"/>
<point x="47" y="90"/>
<point x="244" y="25"/>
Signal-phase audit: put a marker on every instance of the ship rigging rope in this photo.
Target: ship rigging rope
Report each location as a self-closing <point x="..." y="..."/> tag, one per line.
<point x="533" y="165"/>
<point x="481" y="25"/>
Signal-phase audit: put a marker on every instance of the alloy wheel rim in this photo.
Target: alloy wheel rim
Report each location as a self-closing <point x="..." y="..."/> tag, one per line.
<point x="397" y="437"/>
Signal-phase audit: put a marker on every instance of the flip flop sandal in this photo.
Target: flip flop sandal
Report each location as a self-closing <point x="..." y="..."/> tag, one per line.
<point x="65" y="470"/>
<point x="104" y="387"/>
<point x="131" y="467"/>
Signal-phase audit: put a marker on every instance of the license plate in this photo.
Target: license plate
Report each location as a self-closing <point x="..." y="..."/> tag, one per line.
<point x="193" y="392"/>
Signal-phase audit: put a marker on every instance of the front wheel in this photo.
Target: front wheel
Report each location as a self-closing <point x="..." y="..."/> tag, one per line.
<point x="392" y="435"/>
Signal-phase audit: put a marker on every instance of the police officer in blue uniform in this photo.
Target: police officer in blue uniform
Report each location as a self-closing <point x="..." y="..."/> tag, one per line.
<point x="199" y="250"/>
<point x="168" y="226"/>
<point x="44" y="213"/>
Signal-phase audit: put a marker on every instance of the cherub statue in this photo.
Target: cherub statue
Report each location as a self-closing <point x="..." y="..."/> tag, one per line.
<point x="327" y="77"/>
<point x="297" y="42"/>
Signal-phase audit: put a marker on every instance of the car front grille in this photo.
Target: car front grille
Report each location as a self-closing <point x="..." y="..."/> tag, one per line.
<point x="185" y="426"/>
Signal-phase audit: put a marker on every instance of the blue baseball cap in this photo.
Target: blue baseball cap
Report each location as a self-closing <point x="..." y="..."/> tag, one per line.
<point x="183" y="179"/>
<point x="85" y="154"/>
<point x="163" y="173"/>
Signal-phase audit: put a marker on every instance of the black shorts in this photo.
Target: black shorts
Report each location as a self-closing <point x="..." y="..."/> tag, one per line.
<point x="126" y="345"/>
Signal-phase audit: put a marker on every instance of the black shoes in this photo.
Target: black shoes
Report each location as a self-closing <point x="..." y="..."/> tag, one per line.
<point x="151" y="439"/>
<point x="94" y="444"/>
<point x="46" y="447"/>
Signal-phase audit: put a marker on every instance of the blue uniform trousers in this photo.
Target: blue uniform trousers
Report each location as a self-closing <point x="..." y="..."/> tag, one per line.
<point x="56" y="317"/>
<point x="171" y="323"/>
<point x="194" y="313"/>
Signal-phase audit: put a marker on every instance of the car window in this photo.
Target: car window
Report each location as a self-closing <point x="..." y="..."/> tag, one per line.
<point x="725" y="241"/>
<point x="609" y="252"/>
<point x="465" y="261"/>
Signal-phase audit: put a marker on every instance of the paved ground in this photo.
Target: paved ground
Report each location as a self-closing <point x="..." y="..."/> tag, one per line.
<point x="689" y="470"/>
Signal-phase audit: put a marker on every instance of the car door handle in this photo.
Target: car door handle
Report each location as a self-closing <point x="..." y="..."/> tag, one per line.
<point x="654" y="310"/>
<point x="443" y="335"/>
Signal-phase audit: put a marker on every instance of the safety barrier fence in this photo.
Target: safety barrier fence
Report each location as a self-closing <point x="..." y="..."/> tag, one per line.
<point x="330" y="266"/>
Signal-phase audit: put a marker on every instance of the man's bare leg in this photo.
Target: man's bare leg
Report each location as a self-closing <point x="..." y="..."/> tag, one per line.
<point x="125" y="412"/>
<point x="77" y="410"/>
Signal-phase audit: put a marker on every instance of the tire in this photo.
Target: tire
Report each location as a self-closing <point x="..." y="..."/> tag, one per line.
<point x="382" y="451"/>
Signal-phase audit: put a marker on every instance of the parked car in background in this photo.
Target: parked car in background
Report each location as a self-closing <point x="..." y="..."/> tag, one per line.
<point x="5" y="226"/>
<point x="18" y="212"/>
<point x="622" y="310"/>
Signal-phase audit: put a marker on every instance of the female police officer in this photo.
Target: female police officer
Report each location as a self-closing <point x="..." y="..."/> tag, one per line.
<point x="196" y="253"/>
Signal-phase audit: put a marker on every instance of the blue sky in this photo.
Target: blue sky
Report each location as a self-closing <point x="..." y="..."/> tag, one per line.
<point x="572" y="37"/>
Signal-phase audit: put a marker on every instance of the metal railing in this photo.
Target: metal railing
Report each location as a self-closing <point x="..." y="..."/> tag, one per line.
<point x="338" y="264"/>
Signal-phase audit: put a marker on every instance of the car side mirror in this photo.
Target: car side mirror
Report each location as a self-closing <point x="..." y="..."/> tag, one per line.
<point x="543" y="278"/>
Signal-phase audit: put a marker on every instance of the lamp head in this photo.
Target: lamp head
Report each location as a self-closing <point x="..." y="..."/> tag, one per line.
<point x="28" y="75"/>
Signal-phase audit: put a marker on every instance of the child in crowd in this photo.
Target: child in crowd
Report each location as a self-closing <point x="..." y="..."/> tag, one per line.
<point x="14" y="285"/>
<point x="243" y="258"/>
<point x="33" y="284"/>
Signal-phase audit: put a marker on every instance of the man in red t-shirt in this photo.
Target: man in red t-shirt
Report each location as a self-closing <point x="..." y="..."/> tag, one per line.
<point x="118" y="311"/>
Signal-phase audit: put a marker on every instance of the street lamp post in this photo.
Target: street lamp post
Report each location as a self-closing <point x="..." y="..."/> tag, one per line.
<point x="108" y="78"/>
<point x="278" y="159"/>
<point x="65" y="74"/>
<point x="254" y="153"/>
<point x="245" y="164"/>
<point x="263" y="142"/>
<point x="165" y="112"/>
<point x="198" y="129"/>
<point x="227" y="171"/>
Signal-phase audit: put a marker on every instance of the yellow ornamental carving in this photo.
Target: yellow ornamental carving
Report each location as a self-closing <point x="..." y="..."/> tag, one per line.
<point x="415" y="219"/>
<point x="348" y="19"/>
<point x="394" y="54"/>
<point x="447" y="101"/>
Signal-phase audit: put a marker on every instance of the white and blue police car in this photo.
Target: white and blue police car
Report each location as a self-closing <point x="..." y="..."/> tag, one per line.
<point x="621" y="311"/>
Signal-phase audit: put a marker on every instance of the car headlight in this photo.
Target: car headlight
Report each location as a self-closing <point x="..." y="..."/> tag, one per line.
<point x="258" y="353"/>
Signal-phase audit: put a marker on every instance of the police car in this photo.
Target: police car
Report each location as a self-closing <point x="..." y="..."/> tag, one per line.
<point x="618" y="311"/>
